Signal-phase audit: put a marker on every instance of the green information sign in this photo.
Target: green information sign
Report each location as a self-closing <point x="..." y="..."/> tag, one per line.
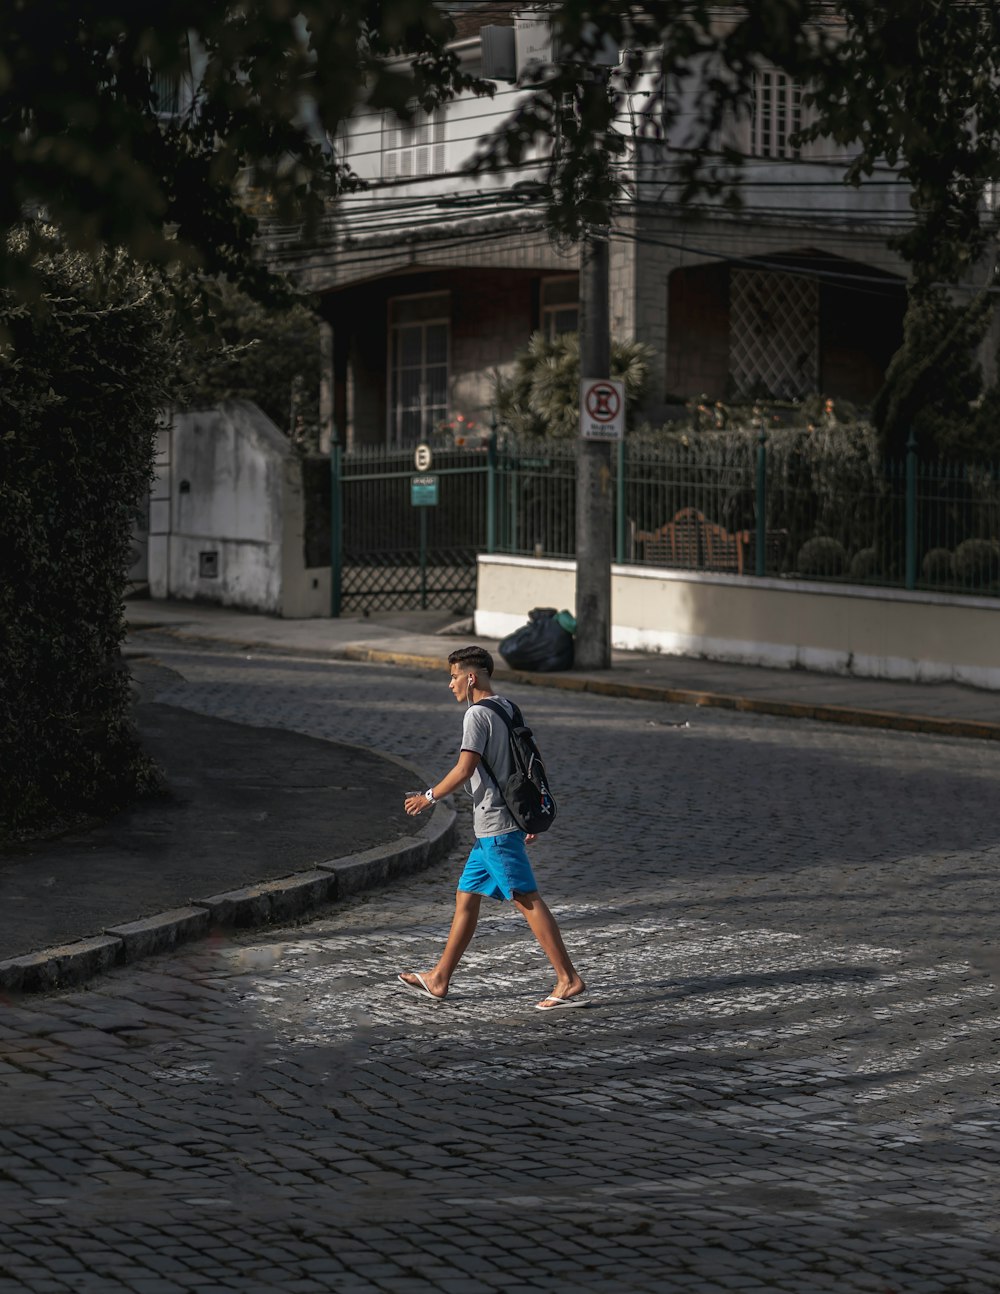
<point x="423" y="490"/>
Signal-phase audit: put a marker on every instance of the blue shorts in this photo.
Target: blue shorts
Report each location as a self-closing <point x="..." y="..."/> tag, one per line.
<point x="498" y="867"/>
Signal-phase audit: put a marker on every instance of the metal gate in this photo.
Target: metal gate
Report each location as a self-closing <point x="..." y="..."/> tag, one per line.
<point x="393" y="552"/>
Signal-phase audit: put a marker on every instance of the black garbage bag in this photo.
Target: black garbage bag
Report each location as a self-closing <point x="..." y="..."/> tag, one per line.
<point x="543" y="644"/>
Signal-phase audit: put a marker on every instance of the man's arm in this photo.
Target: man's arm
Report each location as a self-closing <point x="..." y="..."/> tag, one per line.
<point x="468" y="762"/>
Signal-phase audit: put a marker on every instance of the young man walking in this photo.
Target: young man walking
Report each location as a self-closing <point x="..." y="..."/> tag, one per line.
<point x="498" y="865"/>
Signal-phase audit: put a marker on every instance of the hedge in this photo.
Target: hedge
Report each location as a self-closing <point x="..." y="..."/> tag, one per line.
<point x="85" y="371"/>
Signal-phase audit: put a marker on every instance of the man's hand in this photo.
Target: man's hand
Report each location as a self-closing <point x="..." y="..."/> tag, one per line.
<point x="416" y="804"/>
<point x="530" y="838"/>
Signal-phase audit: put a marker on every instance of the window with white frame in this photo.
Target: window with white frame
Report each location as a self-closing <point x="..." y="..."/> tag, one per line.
<point x="412" y="149"/>
<point x="168" y="91"/>
<point x="776" y="114"/>
<point x="418" y="366"/>
<point x="560" y="306"/>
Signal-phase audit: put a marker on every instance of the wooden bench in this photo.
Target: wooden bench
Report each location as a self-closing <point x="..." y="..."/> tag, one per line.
<point x="694" y="542"/>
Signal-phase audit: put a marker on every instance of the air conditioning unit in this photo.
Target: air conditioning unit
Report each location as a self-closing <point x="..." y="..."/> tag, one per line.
<point x="527" y="49"/>
<point x="499" y="53"/>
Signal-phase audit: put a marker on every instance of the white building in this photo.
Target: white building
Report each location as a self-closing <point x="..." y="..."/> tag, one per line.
<point x="431" y="279"/>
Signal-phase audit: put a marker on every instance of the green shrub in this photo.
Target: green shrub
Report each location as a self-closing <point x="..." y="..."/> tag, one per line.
<point x="865" y="565"/>
<point x="542" y="395"/>
<point x="938" y="566"/>
<point x="822" y="556"/>
<point x="84" y="374"/>
<point x="977" y="563"/>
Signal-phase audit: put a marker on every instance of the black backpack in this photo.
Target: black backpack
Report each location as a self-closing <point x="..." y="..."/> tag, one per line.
<point x="526" y="792"/>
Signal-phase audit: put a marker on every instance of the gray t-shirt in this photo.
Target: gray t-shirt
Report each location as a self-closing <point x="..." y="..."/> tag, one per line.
<point x="486" y="734"/>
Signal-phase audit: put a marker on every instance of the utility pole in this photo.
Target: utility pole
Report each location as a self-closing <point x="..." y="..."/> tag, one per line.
<point x="594" y="493"/>
<point x="506" y="54"/>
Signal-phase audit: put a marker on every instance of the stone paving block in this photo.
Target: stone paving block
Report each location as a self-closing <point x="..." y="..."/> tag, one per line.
<point x="778" y="926"/>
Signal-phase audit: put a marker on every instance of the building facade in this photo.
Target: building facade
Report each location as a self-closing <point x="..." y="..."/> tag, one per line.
<point x="431" y="280"/>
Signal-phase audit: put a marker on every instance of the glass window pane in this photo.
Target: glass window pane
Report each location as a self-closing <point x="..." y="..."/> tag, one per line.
<point x="409" y="346"/>
<point x="437" y="343"/>
<point x="409" y="395"/>
<point x="408" y="310"/>
<point x="437" y="385"/>
<point x="565" y="321"/>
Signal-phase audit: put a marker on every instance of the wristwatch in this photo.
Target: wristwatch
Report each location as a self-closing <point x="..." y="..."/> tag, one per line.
<point x="429" y="794"/>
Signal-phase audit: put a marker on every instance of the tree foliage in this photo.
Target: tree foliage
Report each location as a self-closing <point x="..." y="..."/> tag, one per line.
<point x="267" y="354"/>
<point x="541" y="397"/>
<point x="84" y="136"/>
<point x="934" y="384"/>
<point x="911" y="84"/>
<point x="81" y="86"/>
<point x="83" y="379"/>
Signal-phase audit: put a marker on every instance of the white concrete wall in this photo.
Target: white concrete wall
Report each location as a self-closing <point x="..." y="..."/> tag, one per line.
<point x="840" y="629"/>
<point x="227" y="479"/>
<point x="228" y="484"/>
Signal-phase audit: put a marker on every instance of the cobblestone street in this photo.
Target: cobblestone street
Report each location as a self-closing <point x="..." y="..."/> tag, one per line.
<point x="787" y="1081"/>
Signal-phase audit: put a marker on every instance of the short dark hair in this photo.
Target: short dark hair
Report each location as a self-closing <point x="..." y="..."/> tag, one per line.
<point x="475" y="657"/>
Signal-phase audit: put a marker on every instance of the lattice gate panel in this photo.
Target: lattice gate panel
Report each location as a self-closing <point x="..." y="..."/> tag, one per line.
<point x="773" y="334"/>
<point x="395" y="581"/>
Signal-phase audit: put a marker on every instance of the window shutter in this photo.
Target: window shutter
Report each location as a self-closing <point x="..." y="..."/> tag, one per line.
<point x="417" y="149"/>
<point x="389" y="134"/>
<point x="439" y="127"/>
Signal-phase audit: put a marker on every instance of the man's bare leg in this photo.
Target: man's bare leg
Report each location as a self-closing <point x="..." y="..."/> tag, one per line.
<point x="543" y="926"/>
<point x="463" y="927"/>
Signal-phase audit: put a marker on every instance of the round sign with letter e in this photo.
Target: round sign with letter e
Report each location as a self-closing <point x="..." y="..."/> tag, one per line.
<point x="602" y="409"/>
<point x="422" y="457"/>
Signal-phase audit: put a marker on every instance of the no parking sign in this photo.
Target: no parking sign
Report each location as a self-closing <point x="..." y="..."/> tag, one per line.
<point x="602" y="409"/>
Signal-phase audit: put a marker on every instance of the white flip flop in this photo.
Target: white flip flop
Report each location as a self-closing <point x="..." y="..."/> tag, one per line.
<point x="420" y="989"/>
<point x="555" y="1003"/>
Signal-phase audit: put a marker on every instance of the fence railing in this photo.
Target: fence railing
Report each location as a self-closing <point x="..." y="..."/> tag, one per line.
<point x="785" y="505"/>
<point x="743" y="508"/>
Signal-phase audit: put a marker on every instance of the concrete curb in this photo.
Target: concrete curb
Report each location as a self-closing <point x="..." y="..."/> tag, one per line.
<point x="256" y="905"/>
<point x="849" y="716"/>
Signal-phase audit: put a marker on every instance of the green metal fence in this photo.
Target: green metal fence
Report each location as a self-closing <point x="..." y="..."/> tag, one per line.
<point x="727" y="506"/>
<point x="535" y="491"/>
<point x="393" y="553"/>
<point x="721" y="506"/>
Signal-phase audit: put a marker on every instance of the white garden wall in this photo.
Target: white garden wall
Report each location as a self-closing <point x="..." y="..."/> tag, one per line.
<point x="227" y="517"/>
<point x="840" y="629"/>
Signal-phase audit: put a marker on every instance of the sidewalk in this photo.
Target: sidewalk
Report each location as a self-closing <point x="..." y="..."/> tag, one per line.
<point x="255" y="825"/>
<point x="414" y="639"/>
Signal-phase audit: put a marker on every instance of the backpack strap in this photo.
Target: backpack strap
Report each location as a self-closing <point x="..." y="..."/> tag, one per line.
<point x="498" y="709"/>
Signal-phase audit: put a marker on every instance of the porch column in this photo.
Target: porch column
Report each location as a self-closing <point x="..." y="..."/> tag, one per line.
<point x="332" y="386"/>
<point x="326" y="414"/>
